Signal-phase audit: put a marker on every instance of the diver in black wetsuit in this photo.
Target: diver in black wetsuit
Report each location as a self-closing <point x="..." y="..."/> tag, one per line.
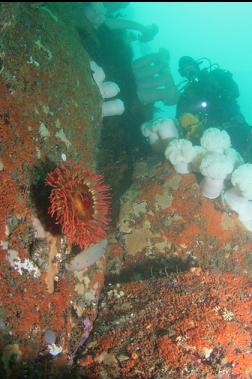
<point x="211" y="95"/>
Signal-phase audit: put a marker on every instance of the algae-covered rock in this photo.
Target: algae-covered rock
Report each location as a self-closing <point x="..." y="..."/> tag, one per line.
<point x="186" y="325"/>
<point x="50" y="111"/>
<point x="166" y="225"/>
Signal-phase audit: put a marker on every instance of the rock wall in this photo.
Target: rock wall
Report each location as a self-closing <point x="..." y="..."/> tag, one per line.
<point x="50" y="112"/>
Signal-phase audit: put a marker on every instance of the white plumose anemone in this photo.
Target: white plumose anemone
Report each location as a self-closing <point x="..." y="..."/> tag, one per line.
<point x="107" y="90"/>
<point x="180" y="153"/>
<point x="166" y="129"/>
<point x="98" y="73"/>
<point x="112" y="108"/>
<point x="159" y="133"/>
<point x="215" y="168"/>
<point x="239" y="198"/>
<point x="215" y="140"/>
<point x="149" y="132"/>
<point x="146" y="129"/>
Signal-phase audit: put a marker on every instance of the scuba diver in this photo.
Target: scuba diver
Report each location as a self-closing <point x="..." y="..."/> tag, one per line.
<point x="209" y="99"/>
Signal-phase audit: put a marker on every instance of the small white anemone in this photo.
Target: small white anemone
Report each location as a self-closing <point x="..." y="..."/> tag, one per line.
<point x="54" y="349"/>
<point x="98" y="73"/>
<point x="240" y="205"/>
<point x="242" y="179"/>
<point x="165" y="128"/>
<point x="180" y="153"/>
<point x="87" y="257"/>
<point x="214" y="167"/>
<point x="215" y="140"/>
<point x="146" y="129"/>
<point x="239" y="197"/>
<point x="109" y="89"/>
<point x="159" y="132"/>
<point x="113" y="108"/>
<point x="148" y="132"/>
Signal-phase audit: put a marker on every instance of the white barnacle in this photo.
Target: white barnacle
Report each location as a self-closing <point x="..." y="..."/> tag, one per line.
<point x="54" y="349"/>
<point x="227" y="315"/>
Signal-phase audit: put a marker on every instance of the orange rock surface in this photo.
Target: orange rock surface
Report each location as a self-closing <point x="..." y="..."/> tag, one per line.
<point x="166" y="224"/>
<point x="190" y="325"/>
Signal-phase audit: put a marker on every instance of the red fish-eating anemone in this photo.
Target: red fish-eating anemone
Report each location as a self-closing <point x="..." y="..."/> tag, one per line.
<point x="80" y="203"/>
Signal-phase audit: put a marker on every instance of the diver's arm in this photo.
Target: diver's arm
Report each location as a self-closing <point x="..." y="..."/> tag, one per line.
<point x="147" y="33"/>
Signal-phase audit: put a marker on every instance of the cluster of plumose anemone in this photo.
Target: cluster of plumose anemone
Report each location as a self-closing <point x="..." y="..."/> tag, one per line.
<point x="223" y="169"/>
<point x="108" y="90"/>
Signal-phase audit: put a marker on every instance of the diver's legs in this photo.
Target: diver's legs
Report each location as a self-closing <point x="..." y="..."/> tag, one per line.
<point x="150" y="64"/>
<point x="147" y="71"/>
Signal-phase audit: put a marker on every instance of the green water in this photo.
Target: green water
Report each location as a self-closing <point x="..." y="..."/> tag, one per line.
<point x="220" y="31"/>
